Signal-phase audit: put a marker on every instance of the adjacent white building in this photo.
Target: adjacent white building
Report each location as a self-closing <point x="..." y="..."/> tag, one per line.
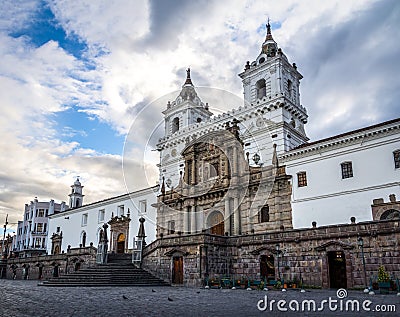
<point x="337" y="178"/>
<point x="82" y="226"/>
<point x="32" y="232"/>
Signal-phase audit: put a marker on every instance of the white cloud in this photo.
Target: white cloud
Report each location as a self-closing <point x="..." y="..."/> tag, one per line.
<point x="347" y="50"/>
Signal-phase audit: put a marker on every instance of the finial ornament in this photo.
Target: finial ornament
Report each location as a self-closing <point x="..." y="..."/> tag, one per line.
<point x="188" y="80"/>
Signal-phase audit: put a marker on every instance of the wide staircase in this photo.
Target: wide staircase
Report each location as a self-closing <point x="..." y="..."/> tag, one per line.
<point x="119" y="271"/>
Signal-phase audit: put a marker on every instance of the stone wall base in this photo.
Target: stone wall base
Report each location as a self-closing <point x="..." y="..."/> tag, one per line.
<point x="325" y="257"/>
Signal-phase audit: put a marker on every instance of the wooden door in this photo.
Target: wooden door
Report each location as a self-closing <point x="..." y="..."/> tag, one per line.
<point x="177" y="271"/>
<point x="337" y="269"/>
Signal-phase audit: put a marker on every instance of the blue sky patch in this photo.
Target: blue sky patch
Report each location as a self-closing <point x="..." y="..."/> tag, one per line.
<point x="89" y="132"/>
<point x="44" y="27"/>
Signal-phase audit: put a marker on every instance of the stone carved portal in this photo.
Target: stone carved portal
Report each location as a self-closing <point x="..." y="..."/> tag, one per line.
<point x="119" y="232"/>
<point x="216" y="223"/>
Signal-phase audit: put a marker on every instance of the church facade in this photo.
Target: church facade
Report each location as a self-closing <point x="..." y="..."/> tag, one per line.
<point x="245" y="196"/>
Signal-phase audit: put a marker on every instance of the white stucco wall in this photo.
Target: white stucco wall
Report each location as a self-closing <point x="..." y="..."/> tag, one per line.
<point x="329" y="199"/>
<point x="70" y="222"/>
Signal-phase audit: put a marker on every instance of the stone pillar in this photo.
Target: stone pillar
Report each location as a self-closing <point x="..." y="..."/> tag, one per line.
<point x="235" y="161"/>
<point x="236" y="221"/>
<point x="193" y="220"/>
<point x="186" y="220"/>
<point x="193" y="172"/>
<point x="227" y="226"/>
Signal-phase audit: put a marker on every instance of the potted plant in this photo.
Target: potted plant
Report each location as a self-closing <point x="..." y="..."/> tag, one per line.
<point x="295" y="282"/>
<point x="383" y="279"/>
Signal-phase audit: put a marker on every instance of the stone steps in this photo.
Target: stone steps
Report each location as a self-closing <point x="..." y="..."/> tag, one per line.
<point x="112" y="274"/>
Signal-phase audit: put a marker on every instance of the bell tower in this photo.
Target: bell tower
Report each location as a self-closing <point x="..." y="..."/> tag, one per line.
<point x="271" y="84"/>
<point x="187" y="109"/>
<point x="76" y="196"/>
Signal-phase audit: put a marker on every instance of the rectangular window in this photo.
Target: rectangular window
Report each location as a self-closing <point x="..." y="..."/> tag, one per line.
<point x="45" y="227"/>
<point x="171" y="227"/>
<point x="301" y="179"/>
<point x="38" y="242"/>
<point x="142" y="206"/>
<point x="84" y="219"/>
<point x="39" y="227"/>
<point x="41" y="213"/>
<point x="58" y="229"/>
<point x="396" y="157"/>
<point x="102" y="214"/>
<point x="347" y="170"/>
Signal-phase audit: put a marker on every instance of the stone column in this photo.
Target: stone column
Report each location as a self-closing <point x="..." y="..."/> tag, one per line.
<point x="236" y="218"/>
<point x="193" y="220"/>
<point x="193" y="171"/>
<point x="186" y="220"/>
<point x="234" y="160"/>
<point x="227" y="226"/>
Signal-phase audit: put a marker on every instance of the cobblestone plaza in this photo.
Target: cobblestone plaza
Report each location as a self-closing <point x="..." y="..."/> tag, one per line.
<point x="25" y="298"/>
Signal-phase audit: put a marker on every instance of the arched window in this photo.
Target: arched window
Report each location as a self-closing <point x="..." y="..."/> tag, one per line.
<point x="289" y="87"/>
<point x="100" y="233"/>
<point x="175" y="125"/>
<point x="83" y="238"/>
<point x="261" y="89"/>
<point x="263" y="215"/>
<point x="78" y="202"/>
<point x="390" y="214"/>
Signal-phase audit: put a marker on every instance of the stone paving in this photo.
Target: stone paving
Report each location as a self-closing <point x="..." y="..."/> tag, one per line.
<point x="25" y="298"/>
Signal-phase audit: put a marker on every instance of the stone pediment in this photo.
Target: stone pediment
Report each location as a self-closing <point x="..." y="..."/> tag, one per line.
<point x="333" y="244"/>
<point x="174" y="251"/>
<point x="264" y="248"/>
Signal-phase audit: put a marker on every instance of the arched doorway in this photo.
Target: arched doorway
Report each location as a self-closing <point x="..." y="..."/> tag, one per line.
<point x="216" y="223"/>
<point x="121" y="243"/>
<point x="337" y="269"/>
<point x="267" y="267"/>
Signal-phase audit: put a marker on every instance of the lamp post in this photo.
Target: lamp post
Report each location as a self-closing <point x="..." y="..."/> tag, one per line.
<point x="361" y="245"/>
<point x="277" y="258"/>
<point x="256" y="158"/>
<point x="3" y="260"/>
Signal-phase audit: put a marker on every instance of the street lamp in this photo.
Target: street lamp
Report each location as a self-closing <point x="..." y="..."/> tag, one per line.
<point x="256" y="158"/>
<point x="277" y="258"/>
<point x="361" y="245"/>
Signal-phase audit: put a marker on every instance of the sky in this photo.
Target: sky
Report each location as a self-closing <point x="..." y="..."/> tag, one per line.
<point x="73" y="75"/>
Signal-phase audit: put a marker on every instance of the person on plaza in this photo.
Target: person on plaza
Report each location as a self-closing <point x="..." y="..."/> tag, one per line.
<point x="25" y="271"/>
<point x="14" y="270"/>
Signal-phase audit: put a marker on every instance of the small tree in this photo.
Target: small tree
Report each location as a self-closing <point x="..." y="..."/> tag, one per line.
<point x="383" y="276"/>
